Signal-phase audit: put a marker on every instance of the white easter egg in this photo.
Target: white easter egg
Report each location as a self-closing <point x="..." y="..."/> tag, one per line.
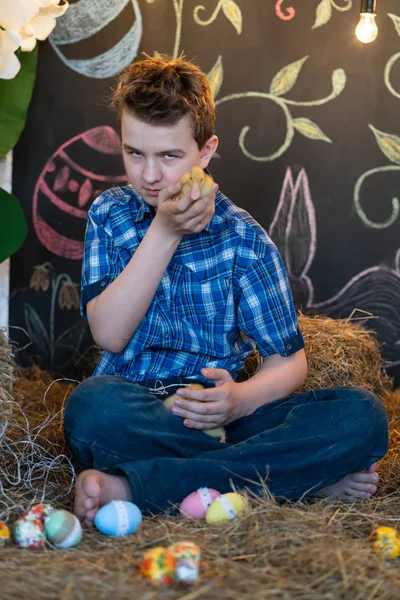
<point x="118" y="518"/>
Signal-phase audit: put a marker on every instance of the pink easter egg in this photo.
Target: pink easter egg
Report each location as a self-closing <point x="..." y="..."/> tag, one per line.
<point x="197" y="503"/>
<point x="79" y="171"/>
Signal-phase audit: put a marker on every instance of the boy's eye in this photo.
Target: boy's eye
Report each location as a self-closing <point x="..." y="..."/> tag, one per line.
<point x="135" y="154"/>
<point x="170" y="156"/>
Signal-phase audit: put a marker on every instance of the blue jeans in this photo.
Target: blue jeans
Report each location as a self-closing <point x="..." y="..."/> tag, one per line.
<point x="295" y="445"/>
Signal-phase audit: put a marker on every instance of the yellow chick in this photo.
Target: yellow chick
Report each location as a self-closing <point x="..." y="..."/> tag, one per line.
<point x="196" y="176"/>
<point x="218" y="432"/>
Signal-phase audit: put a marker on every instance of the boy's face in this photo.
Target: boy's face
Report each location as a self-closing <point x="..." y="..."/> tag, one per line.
<point x="157" y="155"/>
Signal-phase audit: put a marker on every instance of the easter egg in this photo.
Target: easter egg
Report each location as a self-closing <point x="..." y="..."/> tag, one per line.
<point x="187" y="557"/>
<point x="91" y="20"/>
<point x="4" y="534"/>
<point x="77" y="173"/>
<point x="29" y="533"/>
<point x="386" y="542"/>
<point x="197" y="503"/>
<point x="63" y="529"/>
<point x="158" y="566"/>
<point x="226" y="507"/>
<point x="118" y="518"/>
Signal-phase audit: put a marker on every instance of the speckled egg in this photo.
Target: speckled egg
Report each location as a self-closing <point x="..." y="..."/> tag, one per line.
<point x="4" y="534"/>
<point x="118" y="518"/>
<point x="29" y="533"/>
<point x="63" y="529"/>
<point x="386" y="542"/>
<point x="197" y="503"/>
<point x="226" y="507"/>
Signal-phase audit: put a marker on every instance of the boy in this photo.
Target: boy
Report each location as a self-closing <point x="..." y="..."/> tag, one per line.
<point x="182" y="291"/>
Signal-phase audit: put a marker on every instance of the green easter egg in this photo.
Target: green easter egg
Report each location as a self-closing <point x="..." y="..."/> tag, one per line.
<point x="63" y="529"/>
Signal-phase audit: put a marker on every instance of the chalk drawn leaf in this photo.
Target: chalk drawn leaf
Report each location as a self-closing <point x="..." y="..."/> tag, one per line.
<point x="310" y="130"/>
<point x="396" y="21"/>
<point x="36" y="330"/>
<point x="233" y="14"/>
<point x="389" y="144"/>
<point x="285" y="79"/>
<point x="338" y="81"/>
<point x="68" y="343"/>
<point x="216" y="76"/>
<point x="323" y="14"/>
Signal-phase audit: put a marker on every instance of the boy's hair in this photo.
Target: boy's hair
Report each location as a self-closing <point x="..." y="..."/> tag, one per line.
<point x="161" y="90"/>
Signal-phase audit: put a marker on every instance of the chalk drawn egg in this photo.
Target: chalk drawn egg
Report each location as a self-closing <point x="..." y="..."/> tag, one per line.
<point x="83" y="20"/>
<point x="79" y="171"/>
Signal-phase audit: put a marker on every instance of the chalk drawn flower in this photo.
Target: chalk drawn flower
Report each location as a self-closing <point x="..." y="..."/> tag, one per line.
<point x="68" y="296"/>
<point x="10" y="41"/>
<point x="40" y="278"/>
<point x="375" y="290"/>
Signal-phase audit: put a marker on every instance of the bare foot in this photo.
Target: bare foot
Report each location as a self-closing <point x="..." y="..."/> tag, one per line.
<point x="353" y="487"/>
<point x="93" y="489"/>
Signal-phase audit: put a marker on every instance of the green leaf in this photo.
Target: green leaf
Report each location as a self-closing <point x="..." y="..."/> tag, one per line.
<point x="233" y="13"/>
<point x="285" y="79"/>
<point x="13" y="227"/>
<point x="324" y="13"/>
<point x="389" y="144"/>
<point x="216" y="76"/>
<point x="396" y="21"/>
<point x="338" y="81"/>
<point x="310" y="130"/>
<point x="15" y="96"/>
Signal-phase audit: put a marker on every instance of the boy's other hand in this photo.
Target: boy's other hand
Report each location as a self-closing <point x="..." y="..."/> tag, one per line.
<point x="215" y="406"/>
<point x="189" y="214"/>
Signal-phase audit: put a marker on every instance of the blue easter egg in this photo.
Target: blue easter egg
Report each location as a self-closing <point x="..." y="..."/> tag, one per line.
<point x="118" y="518"/>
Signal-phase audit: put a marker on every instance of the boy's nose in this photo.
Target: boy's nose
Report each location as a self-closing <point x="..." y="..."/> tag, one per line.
<point x="151" y="173"/>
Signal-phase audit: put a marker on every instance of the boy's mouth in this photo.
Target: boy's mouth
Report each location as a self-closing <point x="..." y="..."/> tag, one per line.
<point x="152" y="192"/>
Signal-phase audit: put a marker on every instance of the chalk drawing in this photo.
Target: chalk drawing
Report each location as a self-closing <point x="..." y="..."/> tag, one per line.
<point x="68" y="184"/>
<point x="375" y="290"/>
<point x="86" y="18"/>
<point x="285" y="16"/>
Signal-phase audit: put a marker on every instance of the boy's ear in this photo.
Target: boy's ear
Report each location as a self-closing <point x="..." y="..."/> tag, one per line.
<point x="207" y="151"/>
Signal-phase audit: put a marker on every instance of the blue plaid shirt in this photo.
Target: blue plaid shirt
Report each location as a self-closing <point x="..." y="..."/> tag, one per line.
<point x="225" y="292"/>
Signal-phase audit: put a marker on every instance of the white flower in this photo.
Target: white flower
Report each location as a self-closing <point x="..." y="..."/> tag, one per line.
<point x="9" y="63"/>
<point x="33" y="19"/>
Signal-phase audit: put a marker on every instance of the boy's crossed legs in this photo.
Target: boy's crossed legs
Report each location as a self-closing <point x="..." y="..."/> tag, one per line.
<point x="331" y="437"/>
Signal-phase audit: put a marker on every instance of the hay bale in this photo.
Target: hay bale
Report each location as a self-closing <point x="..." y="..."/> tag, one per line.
<point x="340" y="352"/>
<point x="7" y="365"/>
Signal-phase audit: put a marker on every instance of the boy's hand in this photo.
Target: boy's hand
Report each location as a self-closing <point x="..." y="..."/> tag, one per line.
<point x="190" y="213"/>
<point x="215" y="407"/>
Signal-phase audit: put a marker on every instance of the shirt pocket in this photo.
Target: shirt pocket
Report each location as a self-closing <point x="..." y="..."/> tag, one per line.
<point x="199" y="297"/>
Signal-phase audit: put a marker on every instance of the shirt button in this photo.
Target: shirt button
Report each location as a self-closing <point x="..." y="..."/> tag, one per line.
<point x="166" y="334"/>
<point x="289" y="347"/>
<point x="103" y="284"/>
<point x="161" y="297"/>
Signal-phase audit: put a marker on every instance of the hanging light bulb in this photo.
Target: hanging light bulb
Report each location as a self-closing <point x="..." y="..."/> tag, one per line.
<point x="366" y="30"/>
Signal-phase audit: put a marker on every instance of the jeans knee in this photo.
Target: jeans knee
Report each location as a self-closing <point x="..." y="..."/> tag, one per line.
<point x="85" y="405"/>
<point x="370" y="411"/>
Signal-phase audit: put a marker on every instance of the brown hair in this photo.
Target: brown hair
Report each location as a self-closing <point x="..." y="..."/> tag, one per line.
<point x="161" y="90"/>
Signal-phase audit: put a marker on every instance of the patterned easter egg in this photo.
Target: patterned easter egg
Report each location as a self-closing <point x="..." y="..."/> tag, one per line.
<point x="63" y="529"/>
<point x="197" y="503"/>
<point x="79" y="171"/>
<point x="226" y="507"/>
<point x="4" y="534"/>
<point x="118" y="518"/>
<point x="88" y="20"/>
<point x="386" y="542"/>
<point x="187" y="557"/>
<point x="158" y="566"/>
<point x="29" y="533"/>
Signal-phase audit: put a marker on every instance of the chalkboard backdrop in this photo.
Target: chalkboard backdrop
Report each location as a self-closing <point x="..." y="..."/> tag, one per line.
<point x="309" y="144"/>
